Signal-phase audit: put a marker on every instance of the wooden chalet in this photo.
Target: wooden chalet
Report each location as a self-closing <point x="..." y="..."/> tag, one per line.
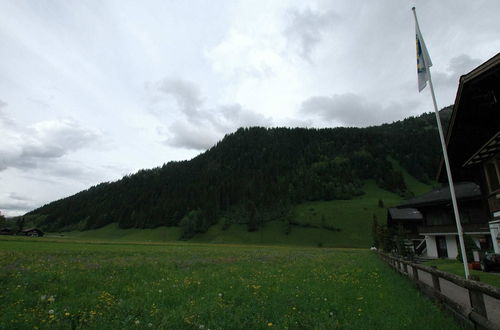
<point x="32" y="232"/>
<point x="473" y="142"/>
<point x="473" y="139"/>
<point x="408" y="219"/>
<point x="6" y="231"/>
<point x="437" y="225"/>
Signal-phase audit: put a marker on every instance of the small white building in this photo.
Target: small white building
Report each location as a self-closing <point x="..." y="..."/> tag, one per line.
<point x="446" y="245"/>
<point x="495" y="234"/>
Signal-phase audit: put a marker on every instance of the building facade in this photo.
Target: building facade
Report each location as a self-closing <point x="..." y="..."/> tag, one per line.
<point x="473" y="144"/>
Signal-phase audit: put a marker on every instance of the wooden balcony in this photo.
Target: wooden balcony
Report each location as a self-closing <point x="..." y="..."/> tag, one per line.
<point x="467" y="228"/>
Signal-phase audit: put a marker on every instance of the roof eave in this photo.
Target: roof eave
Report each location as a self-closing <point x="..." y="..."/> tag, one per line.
<point x="495" y="60"/>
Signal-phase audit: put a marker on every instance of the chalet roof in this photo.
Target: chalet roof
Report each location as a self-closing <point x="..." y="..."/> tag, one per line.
<point x="405" y="214"/>
<point x="475" y="120"/>
<point x="487" y="151"/>
<point x="30" y="229"/>
<point x="463" y="191"/>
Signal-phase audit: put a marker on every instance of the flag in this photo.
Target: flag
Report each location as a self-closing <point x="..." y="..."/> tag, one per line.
<point x="423" y="59"/>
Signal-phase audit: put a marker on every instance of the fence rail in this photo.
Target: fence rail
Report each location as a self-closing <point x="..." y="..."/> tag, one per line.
<point x="476" y="304"/>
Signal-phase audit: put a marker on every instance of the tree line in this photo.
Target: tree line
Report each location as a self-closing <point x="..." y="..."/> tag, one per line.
<point x="253" y="175"/>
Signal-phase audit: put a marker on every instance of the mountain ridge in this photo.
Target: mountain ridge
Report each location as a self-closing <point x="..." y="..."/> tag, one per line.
<point x="254" y="175"/>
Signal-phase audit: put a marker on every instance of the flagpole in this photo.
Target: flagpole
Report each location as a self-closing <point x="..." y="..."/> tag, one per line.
<point x="448" y="170"/>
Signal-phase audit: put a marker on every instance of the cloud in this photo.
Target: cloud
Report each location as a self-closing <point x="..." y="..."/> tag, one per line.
<point x="458" y="66"/>
<point x="241" y="55"/>
<point x="42" y="142"/>
<point x="186" y="94"/>
<point x="195" y="126"/>
<point x="18" y="197"/>
<point x="15" y="204"/>
<point x="4" y="119"/>
<point x="305" y="28"/>
<point x="184" y="135"/>
<point x="351" y="109"/>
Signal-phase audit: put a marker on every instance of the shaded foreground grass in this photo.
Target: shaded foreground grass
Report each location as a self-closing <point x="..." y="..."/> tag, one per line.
<point x="457" y="268"/>
<point x="63" y="285"/>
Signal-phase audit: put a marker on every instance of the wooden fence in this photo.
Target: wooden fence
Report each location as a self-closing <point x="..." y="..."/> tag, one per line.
<point x="474" y="303"/>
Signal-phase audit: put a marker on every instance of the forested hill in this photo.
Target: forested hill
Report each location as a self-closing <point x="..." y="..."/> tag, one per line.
<point x="256" y="174"/>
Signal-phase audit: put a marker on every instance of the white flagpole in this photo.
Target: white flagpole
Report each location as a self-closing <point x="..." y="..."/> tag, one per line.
<point x="447" y="163"/>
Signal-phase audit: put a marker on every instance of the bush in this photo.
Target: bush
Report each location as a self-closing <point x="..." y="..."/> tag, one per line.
<point x="288" y="226"/>
<point x="469" y="247"/>
<point x="226" y="223"/>
<point x="194" y="222"/>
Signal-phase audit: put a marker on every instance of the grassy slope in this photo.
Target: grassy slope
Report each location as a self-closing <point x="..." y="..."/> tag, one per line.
<point x="50" y="285"/>
<point x="113" y="233"/>
<point x="352" y="217"/>
<point x="415" y="186"/>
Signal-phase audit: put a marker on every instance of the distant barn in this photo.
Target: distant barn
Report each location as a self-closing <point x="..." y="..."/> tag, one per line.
<point x="6" y="231"/>
<point x="32" y="232"/>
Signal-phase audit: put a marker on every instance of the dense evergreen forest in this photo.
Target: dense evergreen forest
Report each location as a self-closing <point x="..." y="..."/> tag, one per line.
<point x="254" y="175"/>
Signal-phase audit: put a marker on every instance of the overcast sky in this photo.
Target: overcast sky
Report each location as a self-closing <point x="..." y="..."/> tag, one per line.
<point x="93" y="90"/>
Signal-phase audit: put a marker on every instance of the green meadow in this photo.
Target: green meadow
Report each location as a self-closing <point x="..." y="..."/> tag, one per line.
<point x="353" y="219"/>
<point x="64" y="284"/>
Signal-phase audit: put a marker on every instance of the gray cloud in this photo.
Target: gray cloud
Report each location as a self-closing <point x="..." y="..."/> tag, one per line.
<point x="18" y="197"/>
<point x="15" y="206"/>
<point x="197" y="127"/>
<point x="457" y="67"/>
<point x="352" y="110"/>
<point x="4" y="119"/>
<point x="305" y="28"/>
<point x="184" y="135"/>
<point x="462" y="64"/>
<point x="186" y="94"/>
<point x="28" y="147"/>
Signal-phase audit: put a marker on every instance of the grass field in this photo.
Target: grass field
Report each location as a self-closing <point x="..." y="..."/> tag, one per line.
<point x="457" y="268"/>
<point x="75" y="285"/>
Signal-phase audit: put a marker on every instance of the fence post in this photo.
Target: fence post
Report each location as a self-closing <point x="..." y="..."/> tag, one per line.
<point x="477" y="302"/>
<point x="405" y="268"/>
<point x="415" y="273"/>
<point x="435" y="281"/>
